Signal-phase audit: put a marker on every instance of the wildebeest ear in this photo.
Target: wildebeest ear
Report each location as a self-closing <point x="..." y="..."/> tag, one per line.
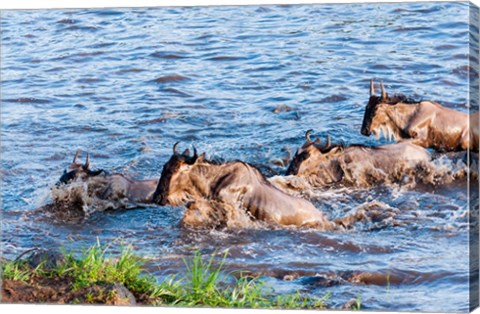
<point x="95" y="173"/>
<point x="336" y="150"/>
<point x="186" y="152"/>
<point x="201" y="157"/>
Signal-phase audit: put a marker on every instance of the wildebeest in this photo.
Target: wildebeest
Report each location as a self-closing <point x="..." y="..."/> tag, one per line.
<point x="218" y="194"/>
<point x="427" y="123"/>
<point x="107" y="186"/>
<point x="326" y="163"/>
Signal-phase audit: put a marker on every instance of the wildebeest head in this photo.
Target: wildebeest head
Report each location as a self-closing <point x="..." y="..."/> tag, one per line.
<point x="374" y="113"/>
<point x="377" y="117"/>
<point x="175" y="174"/>
<point x="78" y="170"/>
<point x="311" y="154"/>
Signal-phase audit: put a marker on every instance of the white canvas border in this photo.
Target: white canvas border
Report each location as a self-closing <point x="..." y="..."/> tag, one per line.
<point x="50" y="4"/>
<point x="80" y="309"/>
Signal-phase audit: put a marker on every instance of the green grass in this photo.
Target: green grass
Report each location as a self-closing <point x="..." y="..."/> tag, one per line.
<point x="204" y="284"/>
<point x="94" y="267"/>
<point x="15" y="271"/>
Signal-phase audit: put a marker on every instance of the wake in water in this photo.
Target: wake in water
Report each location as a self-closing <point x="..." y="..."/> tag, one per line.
<point x="82" y="191"/>
<point x="390" y="204"/>
<point x="78" y="200"/>
<point x="442" y="169"/>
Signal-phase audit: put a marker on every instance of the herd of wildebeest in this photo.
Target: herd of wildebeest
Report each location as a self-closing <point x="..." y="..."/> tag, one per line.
<point x="222" y="194"/>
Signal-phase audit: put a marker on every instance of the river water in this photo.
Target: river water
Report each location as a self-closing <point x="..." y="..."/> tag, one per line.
<point x="238" y="83"/>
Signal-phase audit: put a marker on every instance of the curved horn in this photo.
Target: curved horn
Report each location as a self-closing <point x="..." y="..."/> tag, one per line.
<point x="175" y="148"/>
<point x="384" y="93"/>
<point x="87" y="162"/>
<point x="307" y="135"/>
<point x="195" y="153"/>
<point x="372" y="88"/>
<point x="75" y="158"/>
<point x="329" y="142"/>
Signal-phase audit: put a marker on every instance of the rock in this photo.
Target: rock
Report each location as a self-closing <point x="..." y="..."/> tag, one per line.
<point x="48" y="259"/>
<point x="351" y="305"/>
<point x="122" y="296"/>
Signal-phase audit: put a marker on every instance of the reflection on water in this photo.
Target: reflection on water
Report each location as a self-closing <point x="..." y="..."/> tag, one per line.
<point x="239" y="83"/>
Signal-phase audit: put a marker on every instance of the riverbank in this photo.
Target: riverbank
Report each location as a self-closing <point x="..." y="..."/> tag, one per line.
<point x="97" y="277"/>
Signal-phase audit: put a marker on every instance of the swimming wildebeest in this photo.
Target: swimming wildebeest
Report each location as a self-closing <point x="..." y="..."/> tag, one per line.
<point x="322" y="164"/>
<point x="428" y="123"/>
<point x="221" y="194"/>
<point x="108" y="186"/>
